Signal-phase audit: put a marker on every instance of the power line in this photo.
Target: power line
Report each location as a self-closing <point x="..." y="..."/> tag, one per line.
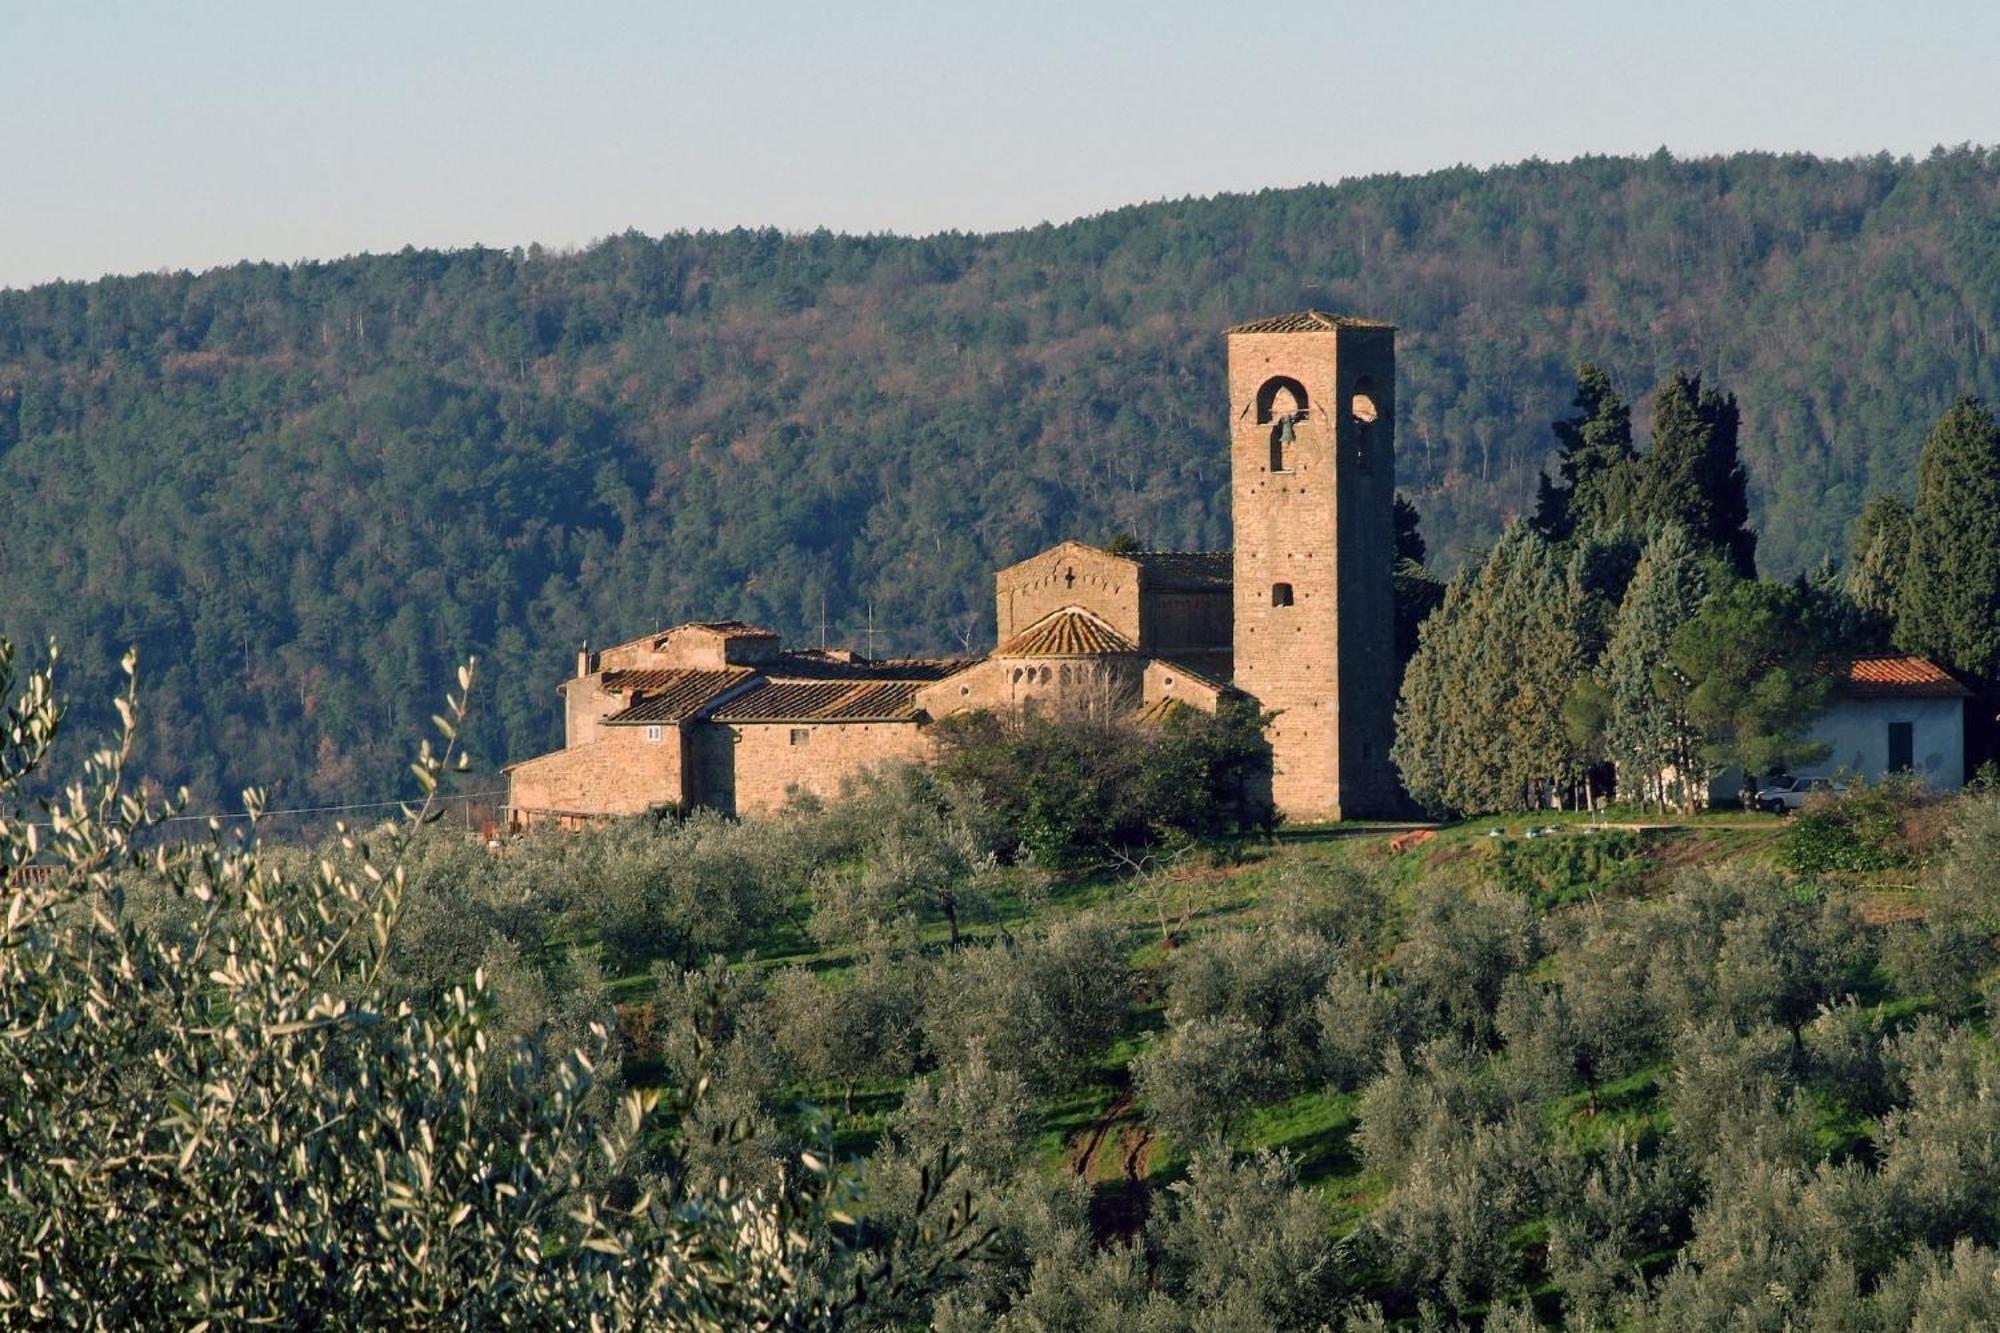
<point x="305" y="809"/>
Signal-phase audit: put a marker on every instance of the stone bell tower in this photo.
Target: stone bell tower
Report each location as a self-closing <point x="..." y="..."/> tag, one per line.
<point x="1312" y="406"/>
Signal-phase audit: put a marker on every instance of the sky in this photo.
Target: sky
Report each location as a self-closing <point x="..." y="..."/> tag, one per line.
<point x="143" y="136"/>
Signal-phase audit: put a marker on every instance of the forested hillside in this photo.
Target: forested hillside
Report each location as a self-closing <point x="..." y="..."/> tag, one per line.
<point x="304" y="490"/>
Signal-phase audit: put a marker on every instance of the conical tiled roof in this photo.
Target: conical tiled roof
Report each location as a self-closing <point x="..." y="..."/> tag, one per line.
<point x="1069" y="632"/>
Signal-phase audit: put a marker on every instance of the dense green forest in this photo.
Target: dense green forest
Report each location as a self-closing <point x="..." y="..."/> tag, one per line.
<point x="303" y="490"/>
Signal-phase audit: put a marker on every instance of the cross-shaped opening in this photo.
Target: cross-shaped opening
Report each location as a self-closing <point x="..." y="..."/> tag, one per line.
<point x="1069" y="578"/>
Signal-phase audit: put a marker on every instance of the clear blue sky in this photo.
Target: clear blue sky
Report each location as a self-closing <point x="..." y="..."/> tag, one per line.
<point x="182" y="135"/>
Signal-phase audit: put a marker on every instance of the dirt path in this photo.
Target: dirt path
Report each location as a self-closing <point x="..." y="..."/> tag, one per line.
<point x="1085" y="1148"/>
<point x="1118" y="1205"/>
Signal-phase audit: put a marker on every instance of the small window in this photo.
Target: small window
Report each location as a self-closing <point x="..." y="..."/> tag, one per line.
<point x="1362" y="412"/>
<point x="1281" y="594"/>
<point x="801" y="735"/>
<point x="1902" y="746"/>
<point x="653" y="734"/>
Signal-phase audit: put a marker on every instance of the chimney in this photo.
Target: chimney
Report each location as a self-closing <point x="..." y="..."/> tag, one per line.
<point x="583" y="659"/>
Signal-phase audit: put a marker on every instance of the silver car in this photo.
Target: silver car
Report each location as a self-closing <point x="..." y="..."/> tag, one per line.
<point x="1783" y="795"/>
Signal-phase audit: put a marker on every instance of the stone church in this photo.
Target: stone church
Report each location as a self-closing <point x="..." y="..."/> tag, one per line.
<point x="1298" y="618"/>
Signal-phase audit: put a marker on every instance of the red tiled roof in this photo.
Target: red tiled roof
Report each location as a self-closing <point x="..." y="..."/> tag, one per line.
<point x="670" y="696"/>
<point x="1308" y="321"/>
<point x="1069" y="632"/>
<point x="823" y="701"/>
<point x="646" y="680"/>
<point x="1899" y="676"/>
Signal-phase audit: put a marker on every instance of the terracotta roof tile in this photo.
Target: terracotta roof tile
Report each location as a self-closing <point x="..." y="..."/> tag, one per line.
<point x="1308" y="321"/>
<point x="823" y="701"/>
<point x="1899" y="676"/>
<point x="1069" y="632"/>
<point x="670" y="696"/>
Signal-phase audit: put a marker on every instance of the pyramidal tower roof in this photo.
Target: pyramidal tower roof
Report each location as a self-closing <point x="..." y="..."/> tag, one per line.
<point x="1309" y="321"/>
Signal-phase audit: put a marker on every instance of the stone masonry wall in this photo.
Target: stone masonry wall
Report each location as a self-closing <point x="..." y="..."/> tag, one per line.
<point x="1071" y="574"/>
<point x="1313" y="634"/>
<point x="768" y="761"/>
<point x="620" y="773"/>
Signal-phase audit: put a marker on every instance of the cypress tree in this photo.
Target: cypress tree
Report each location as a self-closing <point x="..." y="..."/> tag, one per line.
<point x="1648" y="732"/>
<point x="1877" y="557"/>
<point x="1594" y="459"/>
<point x="1693" y="475"/>
<point x="1480" y="719"/>
<point x="1950" y="603"/>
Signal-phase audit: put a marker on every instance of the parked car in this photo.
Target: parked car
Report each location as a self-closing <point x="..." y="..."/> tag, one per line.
<point x="1782" y="795"/>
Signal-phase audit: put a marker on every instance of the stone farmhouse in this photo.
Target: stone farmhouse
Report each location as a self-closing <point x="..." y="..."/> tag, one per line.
<point x="1298" y="618"/>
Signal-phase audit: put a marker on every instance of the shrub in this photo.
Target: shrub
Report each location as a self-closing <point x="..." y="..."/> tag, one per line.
<point x="1859" y="830"/>
<point x="1079" y="786"/>
<point x="1571" y="867"/>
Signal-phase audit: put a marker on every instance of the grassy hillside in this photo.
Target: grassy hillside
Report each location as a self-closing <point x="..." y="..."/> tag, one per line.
<point x="1646" y="1074"/>
<point x="304" y="489"/>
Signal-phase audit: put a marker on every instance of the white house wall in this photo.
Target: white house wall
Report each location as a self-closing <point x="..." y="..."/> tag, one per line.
<point x="1858" y="731"/>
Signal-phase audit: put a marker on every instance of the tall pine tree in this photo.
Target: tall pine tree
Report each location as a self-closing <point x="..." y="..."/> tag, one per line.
<point x="1950" y="603"/>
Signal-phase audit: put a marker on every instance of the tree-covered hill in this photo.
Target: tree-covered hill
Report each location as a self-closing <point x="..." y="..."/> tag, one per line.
<point x="303" y="490"/>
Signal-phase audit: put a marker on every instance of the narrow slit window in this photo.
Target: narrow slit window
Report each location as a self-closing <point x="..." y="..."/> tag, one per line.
<point x="653" y="734"/>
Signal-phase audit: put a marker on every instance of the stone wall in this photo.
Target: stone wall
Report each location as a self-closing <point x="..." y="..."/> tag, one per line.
<point x="586" y="703"/>
<point x="769" y="759"/>
<point x="1195" y="627"/>
<point x="1069" y="574"/>
<point x="622" y="772"/>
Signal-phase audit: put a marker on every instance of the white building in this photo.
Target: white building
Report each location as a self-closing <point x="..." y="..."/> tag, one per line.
<point x="1891" y="713"/>
<point x="1896" y="713"/>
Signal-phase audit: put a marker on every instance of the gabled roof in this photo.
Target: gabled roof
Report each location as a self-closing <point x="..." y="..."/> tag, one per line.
<point x="811" y="664"/>
<point x="822" y="701"/>
<point x="1186" y="570"/>
<point x="1068" y="632"/>
<point x="1899" y="676"/>
<point x="729" y="629"/>
<point x="670" y="696"/>
<point x="1308" y="321"/>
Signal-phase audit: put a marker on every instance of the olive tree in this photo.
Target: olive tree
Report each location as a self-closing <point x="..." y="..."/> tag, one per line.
<point x="227" y="1113"/>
